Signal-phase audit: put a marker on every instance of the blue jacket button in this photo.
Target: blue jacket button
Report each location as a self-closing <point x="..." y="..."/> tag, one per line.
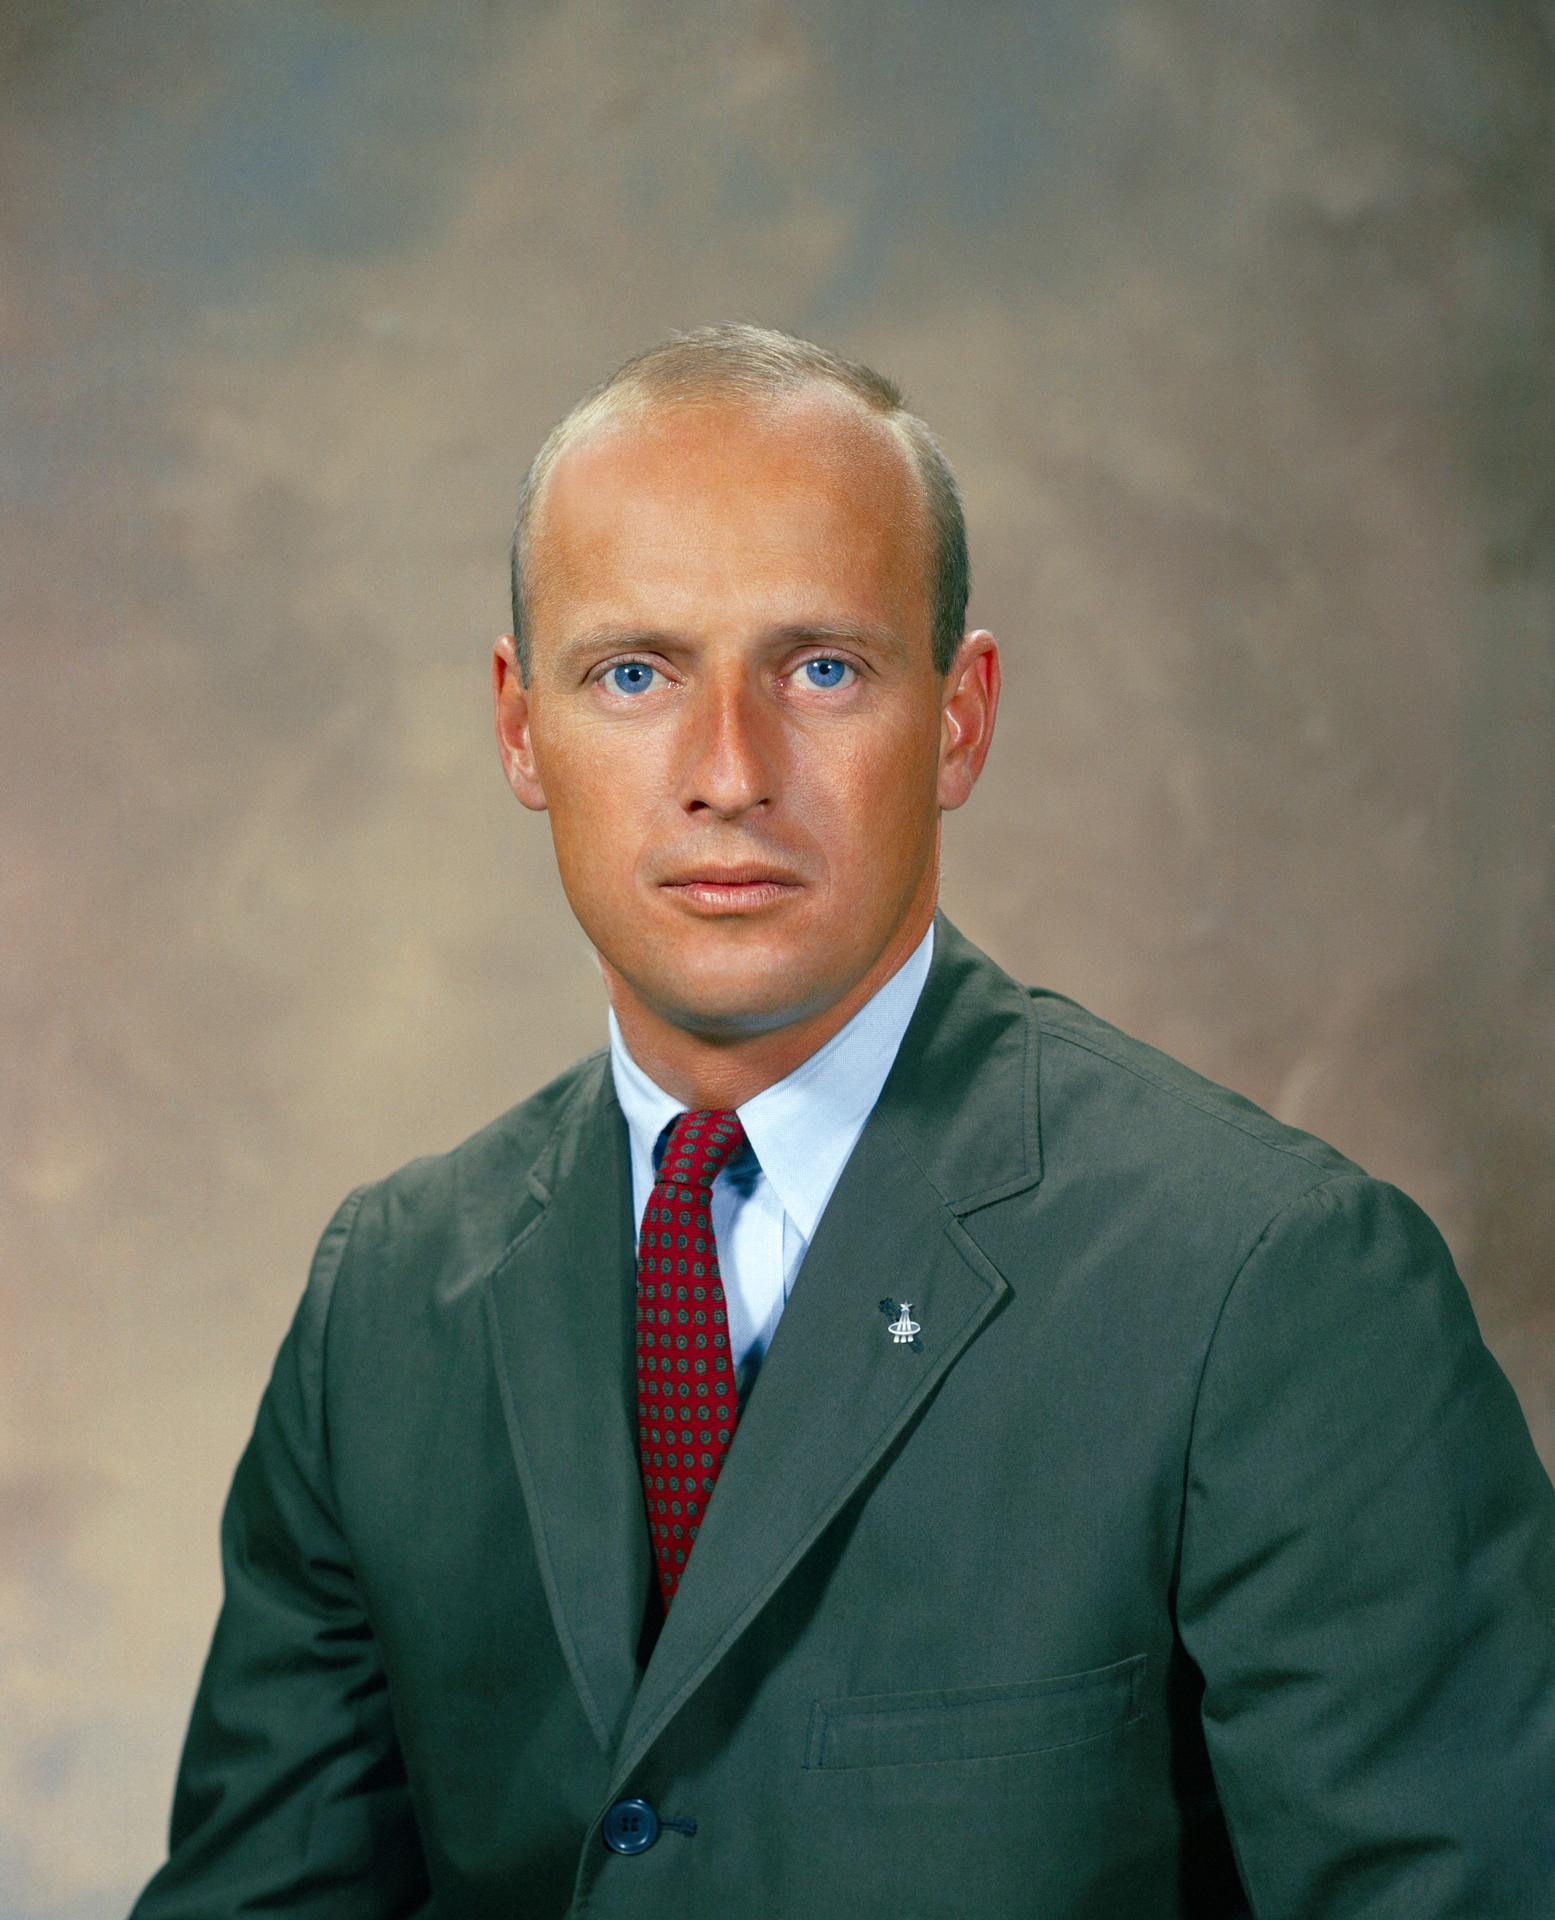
<point x="631" y="1826"/>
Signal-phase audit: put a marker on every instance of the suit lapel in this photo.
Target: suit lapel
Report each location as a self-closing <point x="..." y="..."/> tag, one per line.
<point x="954" y="1128"/>
<point x="560" y="1311"/>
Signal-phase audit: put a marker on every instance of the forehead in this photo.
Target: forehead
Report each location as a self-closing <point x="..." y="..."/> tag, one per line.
<point x="773" y="502"/>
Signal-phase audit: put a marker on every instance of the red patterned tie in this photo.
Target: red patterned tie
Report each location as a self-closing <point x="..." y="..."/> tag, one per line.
<point x="686" y="1407"/>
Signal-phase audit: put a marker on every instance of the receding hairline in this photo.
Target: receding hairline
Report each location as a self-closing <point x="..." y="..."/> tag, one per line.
<point x="763" y="370"/>
<point x="624" y="405"/>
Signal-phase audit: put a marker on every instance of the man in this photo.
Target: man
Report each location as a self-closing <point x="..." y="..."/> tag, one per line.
<point x="874" y="1440"/>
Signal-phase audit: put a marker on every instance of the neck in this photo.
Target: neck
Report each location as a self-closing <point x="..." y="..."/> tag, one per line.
<point x="707" y="1074"/>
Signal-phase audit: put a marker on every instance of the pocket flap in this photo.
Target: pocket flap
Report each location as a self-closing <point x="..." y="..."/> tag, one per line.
<point x="974" y="1723"/>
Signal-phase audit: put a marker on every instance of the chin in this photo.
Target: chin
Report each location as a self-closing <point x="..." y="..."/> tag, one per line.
<point x="743" y="992"/>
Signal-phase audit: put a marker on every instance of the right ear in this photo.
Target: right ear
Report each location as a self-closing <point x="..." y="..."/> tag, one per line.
<point x="510" y="705"/>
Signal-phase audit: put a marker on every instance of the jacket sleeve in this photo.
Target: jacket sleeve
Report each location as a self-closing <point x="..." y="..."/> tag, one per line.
<point x="1367" y="1580"/>
<point x="291" y="1794"/>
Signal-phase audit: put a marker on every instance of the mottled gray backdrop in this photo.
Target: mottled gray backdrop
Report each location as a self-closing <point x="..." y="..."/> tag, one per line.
<point x="1236" y="320"/>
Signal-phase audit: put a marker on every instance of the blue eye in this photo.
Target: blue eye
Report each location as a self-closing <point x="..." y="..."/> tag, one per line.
<point x="834" y="669"/>
<point x="639" y="668"/>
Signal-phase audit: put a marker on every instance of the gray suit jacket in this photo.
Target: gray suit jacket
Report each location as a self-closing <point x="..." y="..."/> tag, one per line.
<point x="1196" y="1555"/>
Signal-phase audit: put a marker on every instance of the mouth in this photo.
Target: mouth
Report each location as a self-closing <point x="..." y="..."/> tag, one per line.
<point x="732" y="889"/>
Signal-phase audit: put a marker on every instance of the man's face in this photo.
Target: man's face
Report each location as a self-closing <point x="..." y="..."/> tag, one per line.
<point x="731" y="669"/>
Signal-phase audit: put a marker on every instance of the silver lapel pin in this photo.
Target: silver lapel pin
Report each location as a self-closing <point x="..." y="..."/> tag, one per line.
<point x="904" y="1331"/>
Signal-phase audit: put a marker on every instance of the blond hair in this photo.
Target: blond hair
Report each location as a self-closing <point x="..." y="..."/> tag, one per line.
<point x="735" y="358"/>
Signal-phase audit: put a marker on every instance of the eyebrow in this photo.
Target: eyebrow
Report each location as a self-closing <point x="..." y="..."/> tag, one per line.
<point x="607" y="638"/>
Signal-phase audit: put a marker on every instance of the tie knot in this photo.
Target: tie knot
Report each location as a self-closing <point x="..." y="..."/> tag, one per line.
<point x="700" y="1146"/>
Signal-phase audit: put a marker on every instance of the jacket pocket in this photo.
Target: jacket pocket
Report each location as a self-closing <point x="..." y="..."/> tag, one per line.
<point x="974" y="1723"/>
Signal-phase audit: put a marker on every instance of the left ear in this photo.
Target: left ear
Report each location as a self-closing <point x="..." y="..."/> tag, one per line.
<point x="967" y="716"/>
<point x="510" y="709"/>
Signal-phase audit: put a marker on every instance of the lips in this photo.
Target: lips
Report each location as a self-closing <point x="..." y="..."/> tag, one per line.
<point x="748" y="875"/>
<point x="732" y="889"/>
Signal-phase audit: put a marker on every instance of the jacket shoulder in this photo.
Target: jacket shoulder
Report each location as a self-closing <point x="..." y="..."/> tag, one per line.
<point x="458" y="1211"/>
<point x="1115" y="1098"/>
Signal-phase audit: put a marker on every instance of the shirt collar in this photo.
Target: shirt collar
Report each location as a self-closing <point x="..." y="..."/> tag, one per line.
<point x="803" y="1128"/>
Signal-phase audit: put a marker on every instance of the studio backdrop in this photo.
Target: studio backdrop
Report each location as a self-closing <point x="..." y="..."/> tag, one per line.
<point x="1236" y="324"/>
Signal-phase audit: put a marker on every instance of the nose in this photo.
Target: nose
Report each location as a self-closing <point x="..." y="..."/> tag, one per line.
<point x="729" y="764"/>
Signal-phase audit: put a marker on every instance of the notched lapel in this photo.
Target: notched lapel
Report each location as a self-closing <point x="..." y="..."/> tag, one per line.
<point x="955" y="1129"/>
<point x="560" y="1309"/>
<point x="833" y="1393"/>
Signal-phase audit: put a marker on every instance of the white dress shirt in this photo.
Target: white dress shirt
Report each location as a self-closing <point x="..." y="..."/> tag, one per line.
<point x="769" y="1200"/>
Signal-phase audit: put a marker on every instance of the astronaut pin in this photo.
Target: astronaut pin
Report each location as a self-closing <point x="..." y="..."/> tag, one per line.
<point x="904" y="1330"/>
